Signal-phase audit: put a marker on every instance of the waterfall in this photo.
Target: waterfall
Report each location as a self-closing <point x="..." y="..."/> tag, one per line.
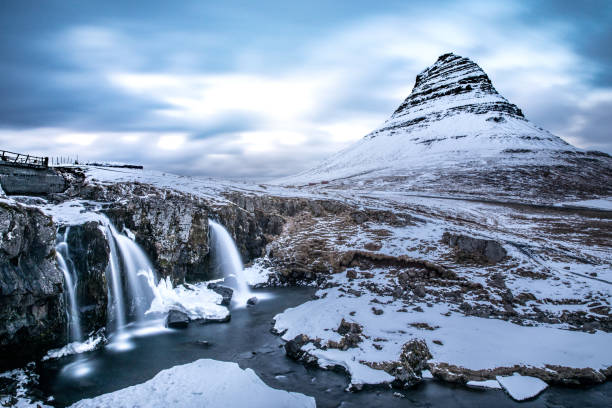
<point x="67" y="267"/>
<point x="116" y="292"/>
<point x="228" y="260"/>
<point x="128" y="261"/>
<point x="135" y="265"/>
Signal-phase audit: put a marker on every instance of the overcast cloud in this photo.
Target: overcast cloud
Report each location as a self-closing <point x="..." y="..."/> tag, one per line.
<point x="266" y="89"/>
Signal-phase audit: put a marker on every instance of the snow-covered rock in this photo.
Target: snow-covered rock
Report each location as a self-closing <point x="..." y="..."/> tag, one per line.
<point x="522" y="387"/>
<point x="203" y="383"/>
<point x="195" y="301"/>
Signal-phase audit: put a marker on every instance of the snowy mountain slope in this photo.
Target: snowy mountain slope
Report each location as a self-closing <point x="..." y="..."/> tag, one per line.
<point x="453" y="118"/>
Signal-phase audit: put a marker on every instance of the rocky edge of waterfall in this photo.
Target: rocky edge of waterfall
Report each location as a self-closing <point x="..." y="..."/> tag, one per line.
<point x="407" y="269"/>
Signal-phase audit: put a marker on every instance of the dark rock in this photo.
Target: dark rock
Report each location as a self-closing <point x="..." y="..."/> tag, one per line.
<point x="293" y="348"/>
<point x="373" y="246"/>
<point x="88" y="251"/>
<point x="347" y="327"/>
<point x="474" y="249"/>
<point x="419" y="291"/>
<point x="32" y="304"/>
<point x="252" y="301"/>
<point x="224" y="291"/>
<point x="497" y="281"/>
<point x="413" y="359"/>
<point x="177" y="319"/>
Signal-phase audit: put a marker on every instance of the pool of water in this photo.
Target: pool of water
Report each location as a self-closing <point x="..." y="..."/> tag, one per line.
<point x="247" y="340"/>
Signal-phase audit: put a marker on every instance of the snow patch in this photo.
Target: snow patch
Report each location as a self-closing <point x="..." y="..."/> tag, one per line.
<point x="494" y="384"/>
<point x="521" y="387"/>
<point x="203" y="383"/>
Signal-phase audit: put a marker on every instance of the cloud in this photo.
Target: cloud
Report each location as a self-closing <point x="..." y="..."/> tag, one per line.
<point x="210" y="90"/>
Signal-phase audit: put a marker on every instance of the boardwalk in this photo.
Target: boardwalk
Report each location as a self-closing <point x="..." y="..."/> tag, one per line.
<point x="23" y="160"/>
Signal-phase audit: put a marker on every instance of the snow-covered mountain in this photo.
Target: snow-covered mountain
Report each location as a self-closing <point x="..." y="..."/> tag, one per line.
<point x="453" y="117"/>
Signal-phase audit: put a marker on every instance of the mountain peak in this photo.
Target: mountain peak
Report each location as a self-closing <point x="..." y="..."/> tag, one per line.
<point x="454" y="116"/>
<point x="452" y="85"/>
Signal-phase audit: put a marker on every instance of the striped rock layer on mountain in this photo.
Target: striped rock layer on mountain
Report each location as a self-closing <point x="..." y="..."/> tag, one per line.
<point x="454" y="127"/>
<point x="457" y="86"/>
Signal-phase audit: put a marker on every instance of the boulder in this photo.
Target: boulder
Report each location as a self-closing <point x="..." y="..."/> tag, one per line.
<point x="224" y="291"/>
<point x="413" y="359"/>
<point x="252" y="301"/>
<point x="177" y="319"/>
<point x="293" y="348"/>
<point x="470" y="249"/>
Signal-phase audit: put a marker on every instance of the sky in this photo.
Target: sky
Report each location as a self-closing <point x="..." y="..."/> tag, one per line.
<point x="243" y="89"/>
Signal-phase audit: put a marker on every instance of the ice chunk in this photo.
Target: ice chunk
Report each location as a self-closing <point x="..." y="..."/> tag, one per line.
<point x="522" y="387"/>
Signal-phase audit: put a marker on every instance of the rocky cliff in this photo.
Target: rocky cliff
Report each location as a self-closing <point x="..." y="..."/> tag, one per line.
<point x="32" y="309"/>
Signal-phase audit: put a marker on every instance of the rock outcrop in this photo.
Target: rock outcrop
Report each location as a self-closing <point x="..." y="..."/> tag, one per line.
<point x="89" y="251"/>
<point x="32" y="305"/>
<point x="470" y="249"/>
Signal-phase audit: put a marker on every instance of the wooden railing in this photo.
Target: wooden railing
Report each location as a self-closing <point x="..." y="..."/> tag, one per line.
<point x="25" y="160"/>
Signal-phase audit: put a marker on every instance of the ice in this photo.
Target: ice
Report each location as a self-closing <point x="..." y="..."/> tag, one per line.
<point x="494" y="384"/>
<point x="522" y="387"/>
<point x="203" y="383"/>
<point x="75" y="348"/>
<point x="197" y="301"/>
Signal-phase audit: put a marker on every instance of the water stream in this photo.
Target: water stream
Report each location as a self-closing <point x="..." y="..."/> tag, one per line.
<point x="247" y="340"/>
<point x="70" y="278"/>
<point x="227" y="259"/>
<point x="127" y="264"/>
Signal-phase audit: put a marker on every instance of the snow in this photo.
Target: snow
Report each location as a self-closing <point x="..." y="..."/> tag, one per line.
<point x="203" y="383"/>
<point x="23" y="377"/>
<point x="494" y="384"/>
<point x="76" y="347"/>
<point x="257" y="273"/>
<point x="197" y="301"/>
<point x="600" y="204"/>
<point x="470" y="342"/>
<point x="73" y="212"/>
<point x="522" y="387"/>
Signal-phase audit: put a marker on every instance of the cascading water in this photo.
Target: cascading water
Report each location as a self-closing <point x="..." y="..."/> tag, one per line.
<point x="116" y="292"/>
<point x="128" y="260"/>
<point x="229" y="261"/>
<point x="136" y="266"/>
<point x="67" y="267"/>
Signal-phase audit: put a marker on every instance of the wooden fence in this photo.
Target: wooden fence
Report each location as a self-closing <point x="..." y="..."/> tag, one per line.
<point x="24" y="160"/>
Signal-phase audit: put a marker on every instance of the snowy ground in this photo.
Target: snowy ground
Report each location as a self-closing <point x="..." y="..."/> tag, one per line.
<point x="555" y="284"/>
<point x="470" y="342"/>
<point x="203" y="383"/>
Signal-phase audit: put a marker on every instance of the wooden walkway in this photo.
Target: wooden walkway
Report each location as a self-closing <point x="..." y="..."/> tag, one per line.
<point x="23" y="160"/>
